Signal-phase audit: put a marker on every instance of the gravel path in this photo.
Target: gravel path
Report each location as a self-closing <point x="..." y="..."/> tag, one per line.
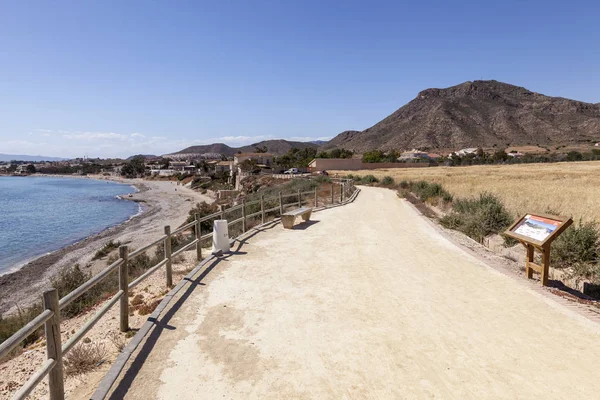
<point x="369" y="301"/>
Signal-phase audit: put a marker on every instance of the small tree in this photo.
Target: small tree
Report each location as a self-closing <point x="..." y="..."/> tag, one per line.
<point x="248" y="165"/>
<point x="500" y="155"/>
<point x="134" y="167"/>
<point x="260" y="149"/>
<point x="31" y="169"/>
<point x="574" y="156"/>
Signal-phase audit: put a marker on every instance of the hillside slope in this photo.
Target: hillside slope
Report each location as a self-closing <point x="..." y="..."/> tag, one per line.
<point x="276" y="147"/>
<point x="479" y="113"/>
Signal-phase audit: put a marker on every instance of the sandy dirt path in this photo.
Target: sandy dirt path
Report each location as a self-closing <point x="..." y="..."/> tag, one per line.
<point x="368" y="302"/>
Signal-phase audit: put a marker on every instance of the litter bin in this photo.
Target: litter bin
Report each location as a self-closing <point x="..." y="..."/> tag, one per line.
<point x="220" y="236"/>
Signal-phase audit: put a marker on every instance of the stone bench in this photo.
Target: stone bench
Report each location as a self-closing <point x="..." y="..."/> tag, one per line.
<point x="288" y="218"/>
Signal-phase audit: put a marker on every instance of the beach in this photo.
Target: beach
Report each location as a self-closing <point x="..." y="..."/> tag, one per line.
<point x="162" y="203"/>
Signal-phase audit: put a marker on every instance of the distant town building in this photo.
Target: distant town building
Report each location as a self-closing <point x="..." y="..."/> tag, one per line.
<point x="224" y="166"/>
<point x="211" y="156"/>
<point x="182" y="166"/>
<point x="324" y="164"/>
<point x="163" y="172"/>
<point x="464" y="152"/>
<point x="262" y="159"/>
<point x="22" y="169"/>
<point x="193" y="156"/>
<point x="413" y="155"/>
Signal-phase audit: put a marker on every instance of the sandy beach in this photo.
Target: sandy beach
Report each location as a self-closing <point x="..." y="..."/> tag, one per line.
<point x="163" y="203"/>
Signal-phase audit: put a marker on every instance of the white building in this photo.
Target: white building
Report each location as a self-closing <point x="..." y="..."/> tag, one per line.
<point x="265" y="159"/>
<point x="464" y="152"/>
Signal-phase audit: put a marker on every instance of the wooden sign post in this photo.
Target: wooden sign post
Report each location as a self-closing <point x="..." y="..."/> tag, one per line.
<point x="538" y="231"/>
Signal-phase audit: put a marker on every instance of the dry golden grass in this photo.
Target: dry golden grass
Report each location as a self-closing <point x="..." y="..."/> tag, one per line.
<point x="571" y="189"/>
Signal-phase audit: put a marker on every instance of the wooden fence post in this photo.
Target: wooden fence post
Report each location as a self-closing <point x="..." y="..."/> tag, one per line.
<point x="545" y="265"/>
<point x="262" y="208"/>
<point x="198" y="234"/>
<point x="124" y="286"/>
<point x="299" y="199"/>
<point x="332" y="199"/>
<point x="342" y="192"/>
<point x="316" y="198"/>
<point x="280" y="204"/>
<point x="56" y="383"/>
<point x="244" y="216"/>
<point x="530" y="257"/>
<point x="168" y="252"/>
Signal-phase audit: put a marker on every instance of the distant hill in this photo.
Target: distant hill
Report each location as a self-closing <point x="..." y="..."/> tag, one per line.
<point x="479" y="113"/>
<point x="218" y="148"/>
<point x="276" y="147"/>
<point x="21" y="157"/>
<point x="146" y="156"/>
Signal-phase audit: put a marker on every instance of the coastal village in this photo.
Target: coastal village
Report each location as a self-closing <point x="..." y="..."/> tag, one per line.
<point x="214" y="163"/>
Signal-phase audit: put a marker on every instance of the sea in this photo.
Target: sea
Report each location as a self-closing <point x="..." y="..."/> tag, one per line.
<point x="39" y="215"/>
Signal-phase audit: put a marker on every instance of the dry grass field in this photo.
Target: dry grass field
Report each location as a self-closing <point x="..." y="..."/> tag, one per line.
<point x="571" y="189"/>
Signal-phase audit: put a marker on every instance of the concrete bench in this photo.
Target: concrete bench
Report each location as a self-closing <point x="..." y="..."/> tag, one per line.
<point x="288" y="218"/>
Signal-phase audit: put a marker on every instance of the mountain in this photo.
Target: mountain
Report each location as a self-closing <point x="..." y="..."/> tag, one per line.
<point x="478" y="114"/>
<point x="21" y="157"/>
<point x="276" y="147"/>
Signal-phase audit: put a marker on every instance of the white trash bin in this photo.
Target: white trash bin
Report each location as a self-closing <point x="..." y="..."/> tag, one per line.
<point x="220" y="236"/>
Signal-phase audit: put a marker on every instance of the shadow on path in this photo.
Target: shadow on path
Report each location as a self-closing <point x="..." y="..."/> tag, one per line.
<point x="162" y="323"/>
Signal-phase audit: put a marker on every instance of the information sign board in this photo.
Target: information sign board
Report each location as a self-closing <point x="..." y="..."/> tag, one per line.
<point x="537" y="231"/>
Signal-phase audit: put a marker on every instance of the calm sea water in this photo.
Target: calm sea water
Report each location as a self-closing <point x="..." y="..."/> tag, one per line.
<point x="42" y="214"/>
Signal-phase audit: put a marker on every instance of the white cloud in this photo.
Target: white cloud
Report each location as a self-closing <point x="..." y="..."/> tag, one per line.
<point x="95" y="136"/>
<point x="63" y="143"/>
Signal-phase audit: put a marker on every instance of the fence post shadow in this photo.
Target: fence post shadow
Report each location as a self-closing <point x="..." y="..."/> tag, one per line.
<point x="160" y="324"/>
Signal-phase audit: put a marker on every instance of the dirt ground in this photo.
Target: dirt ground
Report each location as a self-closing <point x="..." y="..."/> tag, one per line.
<point x="367" y="301"/>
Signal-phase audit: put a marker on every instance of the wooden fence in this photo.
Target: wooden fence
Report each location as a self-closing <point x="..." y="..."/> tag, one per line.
<point x="50" y="317"/>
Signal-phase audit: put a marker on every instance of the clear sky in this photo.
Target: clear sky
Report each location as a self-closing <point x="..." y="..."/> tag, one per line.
<point x="115" y="78"/>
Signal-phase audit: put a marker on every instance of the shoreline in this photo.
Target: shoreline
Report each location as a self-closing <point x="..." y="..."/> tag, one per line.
<point x="21" y="264"/>
<point x="159" y="206"/>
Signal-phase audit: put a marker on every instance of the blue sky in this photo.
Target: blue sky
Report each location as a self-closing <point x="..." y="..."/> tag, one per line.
<point x="115" y="78"/>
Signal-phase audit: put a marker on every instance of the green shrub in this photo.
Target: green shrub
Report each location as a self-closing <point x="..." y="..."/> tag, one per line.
<point x="202" y="209"/>
<point x="106" y="249"/>
<point x="387" y="181"/>
<point x="367" y="179"/>
<point x="447" y="197"/>
<point x="70" y="279"/>
<point x="479" y="217"/>
<point x="404" y="185"/>
<point x="428" y="191"/>
<point x="324" y="179"/>
<point x="12" y="323"/>
<point x="578" y="244"/>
